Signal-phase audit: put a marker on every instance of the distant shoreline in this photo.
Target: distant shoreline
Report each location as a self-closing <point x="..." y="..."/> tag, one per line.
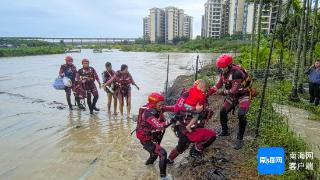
<point x="30" y="51"/>
<point x="18" y="52"/>
<point x="35" y="47"/>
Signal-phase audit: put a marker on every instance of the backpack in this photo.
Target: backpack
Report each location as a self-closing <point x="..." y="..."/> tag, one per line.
<point x="139" y="118"/>
<point x="246" y="83"/>
<point x="247" y="80"/>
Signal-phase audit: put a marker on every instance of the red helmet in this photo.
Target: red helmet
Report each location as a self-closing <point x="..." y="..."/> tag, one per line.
<point x="224" y="60"/>
<point x="84" y="60"/>
<point x="68" y="59"/>
<point x="155" y="97"/>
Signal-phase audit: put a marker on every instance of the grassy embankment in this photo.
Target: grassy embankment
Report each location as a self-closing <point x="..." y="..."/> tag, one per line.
<point x="273" y="133"/>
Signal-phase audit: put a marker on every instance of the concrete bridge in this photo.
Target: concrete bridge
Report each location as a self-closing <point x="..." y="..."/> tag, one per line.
<point x="76" y="40"/>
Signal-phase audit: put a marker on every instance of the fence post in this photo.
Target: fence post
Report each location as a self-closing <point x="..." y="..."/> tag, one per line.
<point x="197" y="62"/>
<point x="167" y="81"/>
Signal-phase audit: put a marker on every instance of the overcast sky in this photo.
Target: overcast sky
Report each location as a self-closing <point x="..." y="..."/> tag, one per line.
<point x="85" y="18"/>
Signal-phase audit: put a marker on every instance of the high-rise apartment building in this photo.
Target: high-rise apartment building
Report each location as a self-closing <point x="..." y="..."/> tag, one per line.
<point x="174" y="23"/>
<point x="241" y="17"/>
<point x="215" y="18"/>
<point x="236" y="16"/>
<point x="228" y="17"/>
<point x="225" y="11"/>
<point x="247" y="18"/>
<point x="202" y="26"/>
<point x="168" y="23"/>
<point x="188" y="29"/>
<point x="157" y="25"/>
<point x="146" y="27"/>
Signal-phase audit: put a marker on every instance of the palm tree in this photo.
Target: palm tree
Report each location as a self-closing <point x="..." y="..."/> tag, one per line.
<point x="282" y="33"/>
<point x="258" y="33"/>
<point x="294" y="93"/>
<point x="253" y="32"/>
<point x="306" y="32"/>
<point x="305" y="41"/>
<point x="313" y="33"/>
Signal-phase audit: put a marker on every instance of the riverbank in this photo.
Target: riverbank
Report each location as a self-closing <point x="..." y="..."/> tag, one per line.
<point x="28" y="51"/>
<point x="221" y="160"/>
<point x="16" y="47"/>
<point x="197" y="45"/>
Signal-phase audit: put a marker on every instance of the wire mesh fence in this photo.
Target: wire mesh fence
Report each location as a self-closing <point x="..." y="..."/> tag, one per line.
<point x="275" y="96"/>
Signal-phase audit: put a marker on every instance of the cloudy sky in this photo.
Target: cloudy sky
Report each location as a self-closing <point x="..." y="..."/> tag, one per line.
<point x="84" y="18"/>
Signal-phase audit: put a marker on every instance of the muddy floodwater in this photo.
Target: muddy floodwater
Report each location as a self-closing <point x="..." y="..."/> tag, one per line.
<point x="40" y="139"/>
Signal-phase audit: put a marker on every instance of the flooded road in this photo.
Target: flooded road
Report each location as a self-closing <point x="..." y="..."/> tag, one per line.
<point x="40" y="141"/>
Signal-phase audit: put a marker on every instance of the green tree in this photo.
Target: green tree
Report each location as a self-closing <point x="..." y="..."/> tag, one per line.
<point x="294" y="92"/>
<point x="313" y="33"/>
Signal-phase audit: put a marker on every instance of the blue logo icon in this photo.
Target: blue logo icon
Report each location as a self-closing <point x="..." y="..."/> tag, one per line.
<point x="271" y="160"/>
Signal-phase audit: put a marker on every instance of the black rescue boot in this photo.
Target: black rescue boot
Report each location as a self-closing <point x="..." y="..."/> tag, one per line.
<point x="69" y="101"/>
<point x="195" y="153"/>
<point x="80" y="106"/>
<point x="151" y="159"/>
<point x="95" y="99"/>
<point x="239" y="144"/>
<point x="242" y="127"/>
<point x="224" y="123"/>
<point x="90" y="105"/>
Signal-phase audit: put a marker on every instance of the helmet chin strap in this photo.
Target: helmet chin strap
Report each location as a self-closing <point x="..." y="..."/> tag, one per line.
<point x="227" y="69"/>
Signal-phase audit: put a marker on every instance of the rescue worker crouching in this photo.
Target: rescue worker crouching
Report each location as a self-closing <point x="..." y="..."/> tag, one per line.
<point x="236" y="82"/>
<point x="186" y="117"/>
<point x="151" y="126"/>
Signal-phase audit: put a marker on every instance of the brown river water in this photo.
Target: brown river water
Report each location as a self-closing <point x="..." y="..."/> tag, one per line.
<point x="40" y="141"/>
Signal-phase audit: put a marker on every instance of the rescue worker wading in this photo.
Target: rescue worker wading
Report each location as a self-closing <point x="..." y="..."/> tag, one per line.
<point x="87" y="75"/>
<point x="124" y="80"/>
<point x="70" y="71"/>
<point x="151" y="125"/>
<point x="235" y="80"/>
<point x="109" y="77"/>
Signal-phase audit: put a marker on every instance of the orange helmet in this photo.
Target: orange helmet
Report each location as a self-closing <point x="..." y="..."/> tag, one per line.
<point x="224" y="60"/>
<point x="84" y="60"/>
<point x="68" y="59"/>
<point x="155" y="97"/>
